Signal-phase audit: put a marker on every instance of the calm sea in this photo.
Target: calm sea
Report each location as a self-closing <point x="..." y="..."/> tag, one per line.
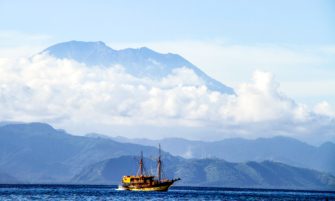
<point x="84" y="192"/>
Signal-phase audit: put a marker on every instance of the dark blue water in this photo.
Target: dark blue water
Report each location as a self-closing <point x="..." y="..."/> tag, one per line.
<point x="84" y="192"/>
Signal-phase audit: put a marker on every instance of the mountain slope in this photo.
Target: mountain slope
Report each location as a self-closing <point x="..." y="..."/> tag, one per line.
<point x="37" y="153"/>
<point x="282" y="149"/>
<point x="8" y="179"/>
<point x="213" y="172"/>
<point x="141" y="62"/>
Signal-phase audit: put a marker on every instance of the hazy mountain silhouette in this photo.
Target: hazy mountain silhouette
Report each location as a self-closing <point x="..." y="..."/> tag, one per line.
<point x="38" y="153"/>
<point x="140" y="62"/>
<point x="8" y="179"/>
<point x="212" y="172"/>
<point x="282" y="149"/>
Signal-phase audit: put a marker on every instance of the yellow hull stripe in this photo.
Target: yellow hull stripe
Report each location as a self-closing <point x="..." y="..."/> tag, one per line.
<point x="158" y="188"/>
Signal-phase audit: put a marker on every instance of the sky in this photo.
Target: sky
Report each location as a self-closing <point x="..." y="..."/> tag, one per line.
<point x="291" y="42"/>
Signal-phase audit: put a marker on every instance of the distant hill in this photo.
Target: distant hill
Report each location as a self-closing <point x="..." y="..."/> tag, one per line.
<point x="282" y="149"/>
<point x="38" y="153"/>
<point x="141" y="62"/>
<point x="212" y="172"/>
<point x="8" y="179"/>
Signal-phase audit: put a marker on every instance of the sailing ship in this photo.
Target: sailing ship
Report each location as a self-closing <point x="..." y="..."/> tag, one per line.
<point x="144" y="182"/>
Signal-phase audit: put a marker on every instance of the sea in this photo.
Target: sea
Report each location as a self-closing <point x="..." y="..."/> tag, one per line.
<point x="109" y="192"/>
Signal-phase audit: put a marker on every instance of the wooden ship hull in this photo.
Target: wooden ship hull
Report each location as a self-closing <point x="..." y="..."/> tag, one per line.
<point x="163" y="186"/>
<point x="143" y="182"/>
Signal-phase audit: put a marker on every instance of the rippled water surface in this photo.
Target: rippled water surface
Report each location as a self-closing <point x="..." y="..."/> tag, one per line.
<point x="84" y="192"/>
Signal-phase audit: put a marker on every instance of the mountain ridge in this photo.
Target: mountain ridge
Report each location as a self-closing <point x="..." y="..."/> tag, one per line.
<point x="212" y="172"/>
<point x="139" y="62"/>
<point x="295" y="153"/>
<point x="8" y="179"/>
<point x="37" y="152"/>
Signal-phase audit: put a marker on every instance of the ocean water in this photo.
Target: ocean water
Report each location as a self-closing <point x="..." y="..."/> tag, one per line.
<point x="85" y="192"/>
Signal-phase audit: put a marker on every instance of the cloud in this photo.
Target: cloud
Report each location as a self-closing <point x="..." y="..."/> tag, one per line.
<point x="324" y="108"/>
<point x="223" y="60"/>
<point x="306" y="72"/>
<point x="261" y="100"/>
<point x="83" y="99"/>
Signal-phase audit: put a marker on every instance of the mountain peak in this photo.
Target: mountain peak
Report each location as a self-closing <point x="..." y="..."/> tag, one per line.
<point x="90" y="53"/>
<point x="139" y="62"/>
<point x="145" y="49"/>
<point x="74" y="44"/>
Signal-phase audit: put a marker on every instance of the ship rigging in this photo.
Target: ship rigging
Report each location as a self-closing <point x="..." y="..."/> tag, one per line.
<point x="143" y="182"/>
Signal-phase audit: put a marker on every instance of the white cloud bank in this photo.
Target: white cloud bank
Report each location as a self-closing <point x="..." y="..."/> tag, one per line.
<point x="305" y="72"/>
<point x="83" y="99"/>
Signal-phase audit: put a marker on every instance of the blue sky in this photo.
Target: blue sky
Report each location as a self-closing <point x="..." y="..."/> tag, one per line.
<point x="229" y="40"/>
<point x="299" y="22"/>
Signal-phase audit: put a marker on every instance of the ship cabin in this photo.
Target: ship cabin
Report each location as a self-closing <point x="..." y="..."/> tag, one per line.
<point x="137" y="179"/>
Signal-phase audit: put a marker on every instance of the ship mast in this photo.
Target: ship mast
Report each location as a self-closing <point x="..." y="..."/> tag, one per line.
<point x="159" y="164"/>
<point x="141" y="164"/>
